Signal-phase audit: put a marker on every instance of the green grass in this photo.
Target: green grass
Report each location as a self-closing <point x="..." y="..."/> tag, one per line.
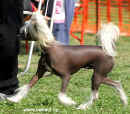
<point x="44" y="94"/>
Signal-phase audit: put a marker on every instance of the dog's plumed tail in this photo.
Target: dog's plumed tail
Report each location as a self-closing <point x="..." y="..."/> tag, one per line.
<point x="107" y="36"/>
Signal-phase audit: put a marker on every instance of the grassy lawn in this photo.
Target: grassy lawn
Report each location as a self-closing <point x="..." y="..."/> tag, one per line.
<point x="42" y="99"/>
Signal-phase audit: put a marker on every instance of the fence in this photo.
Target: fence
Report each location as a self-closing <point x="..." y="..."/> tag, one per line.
<point x="91" y="13"/>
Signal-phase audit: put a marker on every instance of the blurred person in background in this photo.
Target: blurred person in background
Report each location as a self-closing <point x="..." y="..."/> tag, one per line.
<point x="63" y="16"/>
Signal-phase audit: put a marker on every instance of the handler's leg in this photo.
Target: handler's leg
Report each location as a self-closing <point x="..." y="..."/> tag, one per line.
<point x="9" y="45"/>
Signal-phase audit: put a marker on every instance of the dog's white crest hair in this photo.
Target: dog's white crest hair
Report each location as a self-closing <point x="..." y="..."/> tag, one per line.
<point x="108" y="34"/>
<point x="39" y="30"/>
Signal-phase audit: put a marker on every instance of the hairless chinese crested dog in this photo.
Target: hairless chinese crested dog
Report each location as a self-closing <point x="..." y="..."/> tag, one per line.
<point x="59" y="59"/>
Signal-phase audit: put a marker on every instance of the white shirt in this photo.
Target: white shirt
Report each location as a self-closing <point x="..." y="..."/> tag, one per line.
<point x="59" y="16"/>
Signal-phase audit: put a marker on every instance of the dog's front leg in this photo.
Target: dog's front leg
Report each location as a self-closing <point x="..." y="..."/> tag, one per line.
<point x="40" y="72"/>
<point x="23" y="91"/>
<point x="63" y="98"/>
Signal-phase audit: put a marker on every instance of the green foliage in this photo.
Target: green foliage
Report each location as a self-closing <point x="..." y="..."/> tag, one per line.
<point x="42" y="98"/>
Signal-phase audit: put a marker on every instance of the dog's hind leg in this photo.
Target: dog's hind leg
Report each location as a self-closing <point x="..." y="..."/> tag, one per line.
<point x="118" y="86"/>
<point x="23" y="91"/>
<point x="96" y="81"/>
<point x="63" y="98"/>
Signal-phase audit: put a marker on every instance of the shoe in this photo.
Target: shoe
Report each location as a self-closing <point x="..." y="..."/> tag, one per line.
<point x="8" y="90"/>
<point x="2" y="96"/>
